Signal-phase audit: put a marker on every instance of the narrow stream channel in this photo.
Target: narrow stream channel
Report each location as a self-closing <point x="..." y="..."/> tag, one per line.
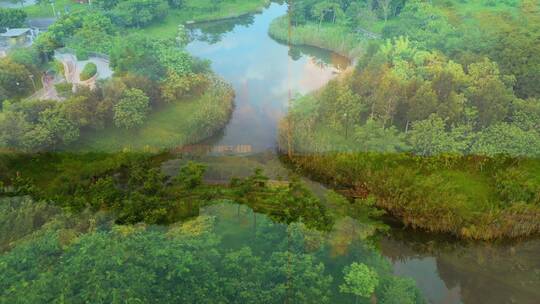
<point x="264" y="74"/>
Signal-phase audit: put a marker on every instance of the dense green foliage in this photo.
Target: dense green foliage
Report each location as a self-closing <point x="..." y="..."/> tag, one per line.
<point x="86" y="257"/>
<point x="122" y="102"/>
<point x="89" y="70"/>
<point x="129" y="13"/>
<point x="82" y="31"/>
<point x="10" y="18"/>
<point x="360" y="280"/>
<point x="155" y="59"/>
<point x="134" y="188"/>
<point x="16" y="71"/>
<point x="344" y="11"/>
<point x="173" y="123"/>
<point x="131" y="110"/>
<point x="150" y="75"/>
<point x="182" y="263"/>
<point x="14" y="79"/>
<point x="466" y="32"/>
<point x="505" y="35"/>
<point x="77" y="225"/>
<point x="331" y="37"/>
<point x="447" y="80"/>
<point x="468" y="196"/>
<point x="404" y="99"/>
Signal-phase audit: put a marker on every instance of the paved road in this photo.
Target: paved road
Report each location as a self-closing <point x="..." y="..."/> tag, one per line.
<point x="76" y="66"/>
<point x="40" y="23"/>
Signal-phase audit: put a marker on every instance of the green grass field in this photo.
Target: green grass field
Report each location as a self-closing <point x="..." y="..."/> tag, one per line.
<point x="200" y="11"/>
<point x="173" y="125"/>
<point x="46" y="10"/>
<point x="194" y="10"/>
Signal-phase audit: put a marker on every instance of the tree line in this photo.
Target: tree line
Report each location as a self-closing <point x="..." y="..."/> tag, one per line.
<point x="149" y="73"/>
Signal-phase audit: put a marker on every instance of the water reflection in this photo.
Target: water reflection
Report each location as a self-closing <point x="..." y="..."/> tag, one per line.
<point x="264" y="73"/>
<point x="448" y="271"/>
<point x="321" y="57"/>
<point x="348" y="242"/>
<point x="213" y="32"/>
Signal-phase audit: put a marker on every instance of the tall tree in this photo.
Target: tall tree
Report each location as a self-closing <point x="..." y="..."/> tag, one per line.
<point x="11" y="18"/>
<point x="131" y="110"/>
<point x="14" y="78"/>
<point x="489" y="93"/>
<point x="360" y="280"/>
<point x="430" y="137"/>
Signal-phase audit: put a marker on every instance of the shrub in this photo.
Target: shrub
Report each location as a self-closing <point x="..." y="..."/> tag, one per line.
<point x="89" y="70"/>
<point x="64" y="89"/>
<point x="131" y="110"/>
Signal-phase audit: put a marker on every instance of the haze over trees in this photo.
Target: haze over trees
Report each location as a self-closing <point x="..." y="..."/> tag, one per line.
<point x="10" y="18"/>
<point x="427" y="80"/>
<point x="104" y="216"/>
<point x="437" y="125"/>
<point x="442" y="95"/>
<point x="160" y="71"/>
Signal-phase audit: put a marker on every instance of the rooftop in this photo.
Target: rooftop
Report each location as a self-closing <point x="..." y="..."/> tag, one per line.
<point x="40" y="23"/>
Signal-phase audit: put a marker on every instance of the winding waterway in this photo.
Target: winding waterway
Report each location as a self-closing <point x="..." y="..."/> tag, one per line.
<point x="265" y="74"/>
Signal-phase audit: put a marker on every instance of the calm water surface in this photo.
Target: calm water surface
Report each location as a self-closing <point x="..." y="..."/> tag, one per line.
<point x="265" y="74"/>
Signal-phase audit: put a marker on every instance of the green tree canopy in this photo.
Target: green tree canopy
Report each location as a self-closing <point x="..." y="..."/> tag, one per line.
<point x="360" y="280"/>
<point x="131" y="110"/>
<point x="11" y="18"/>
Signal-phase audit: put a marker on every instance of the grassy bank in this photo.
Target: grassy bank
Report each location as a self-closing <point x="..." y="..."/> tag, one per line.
<point x="472" y="197"/>
<point x="467" y="196"/>
<point x="47" y="11"/>
<point x="193" y="10"/>
<point x="201" y="11"/>
<point x="172" y="125"/>
<point x="333" y="37"/>
<point x="385" y="132"/>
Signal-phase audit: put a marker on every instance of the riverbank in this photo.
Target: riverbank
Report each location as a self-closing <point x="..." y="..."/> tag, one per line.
<point x="192" y="10"/>
<point x="332" y="37"/>
<point x="469" y="197"/>
<point x="197" y="11"/>
<point x="181" y="123"/>
<point x="359" y="135"/>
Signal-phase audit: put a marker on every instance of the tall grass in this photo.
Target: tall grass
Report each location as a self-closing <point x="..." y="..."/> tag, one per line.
<point x="460" y="195"/>
<point x="332" y="37"/>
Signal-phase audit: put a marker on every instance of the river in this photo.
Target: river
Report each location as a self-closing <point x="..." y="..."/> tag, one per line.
<point x="262" y="72"/>
<point x="265" y="75"/>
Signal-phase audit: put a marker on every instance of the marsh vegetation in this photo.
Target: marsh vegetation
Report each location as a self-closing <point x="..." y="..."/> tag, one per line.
<point x="230" y="159"/>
